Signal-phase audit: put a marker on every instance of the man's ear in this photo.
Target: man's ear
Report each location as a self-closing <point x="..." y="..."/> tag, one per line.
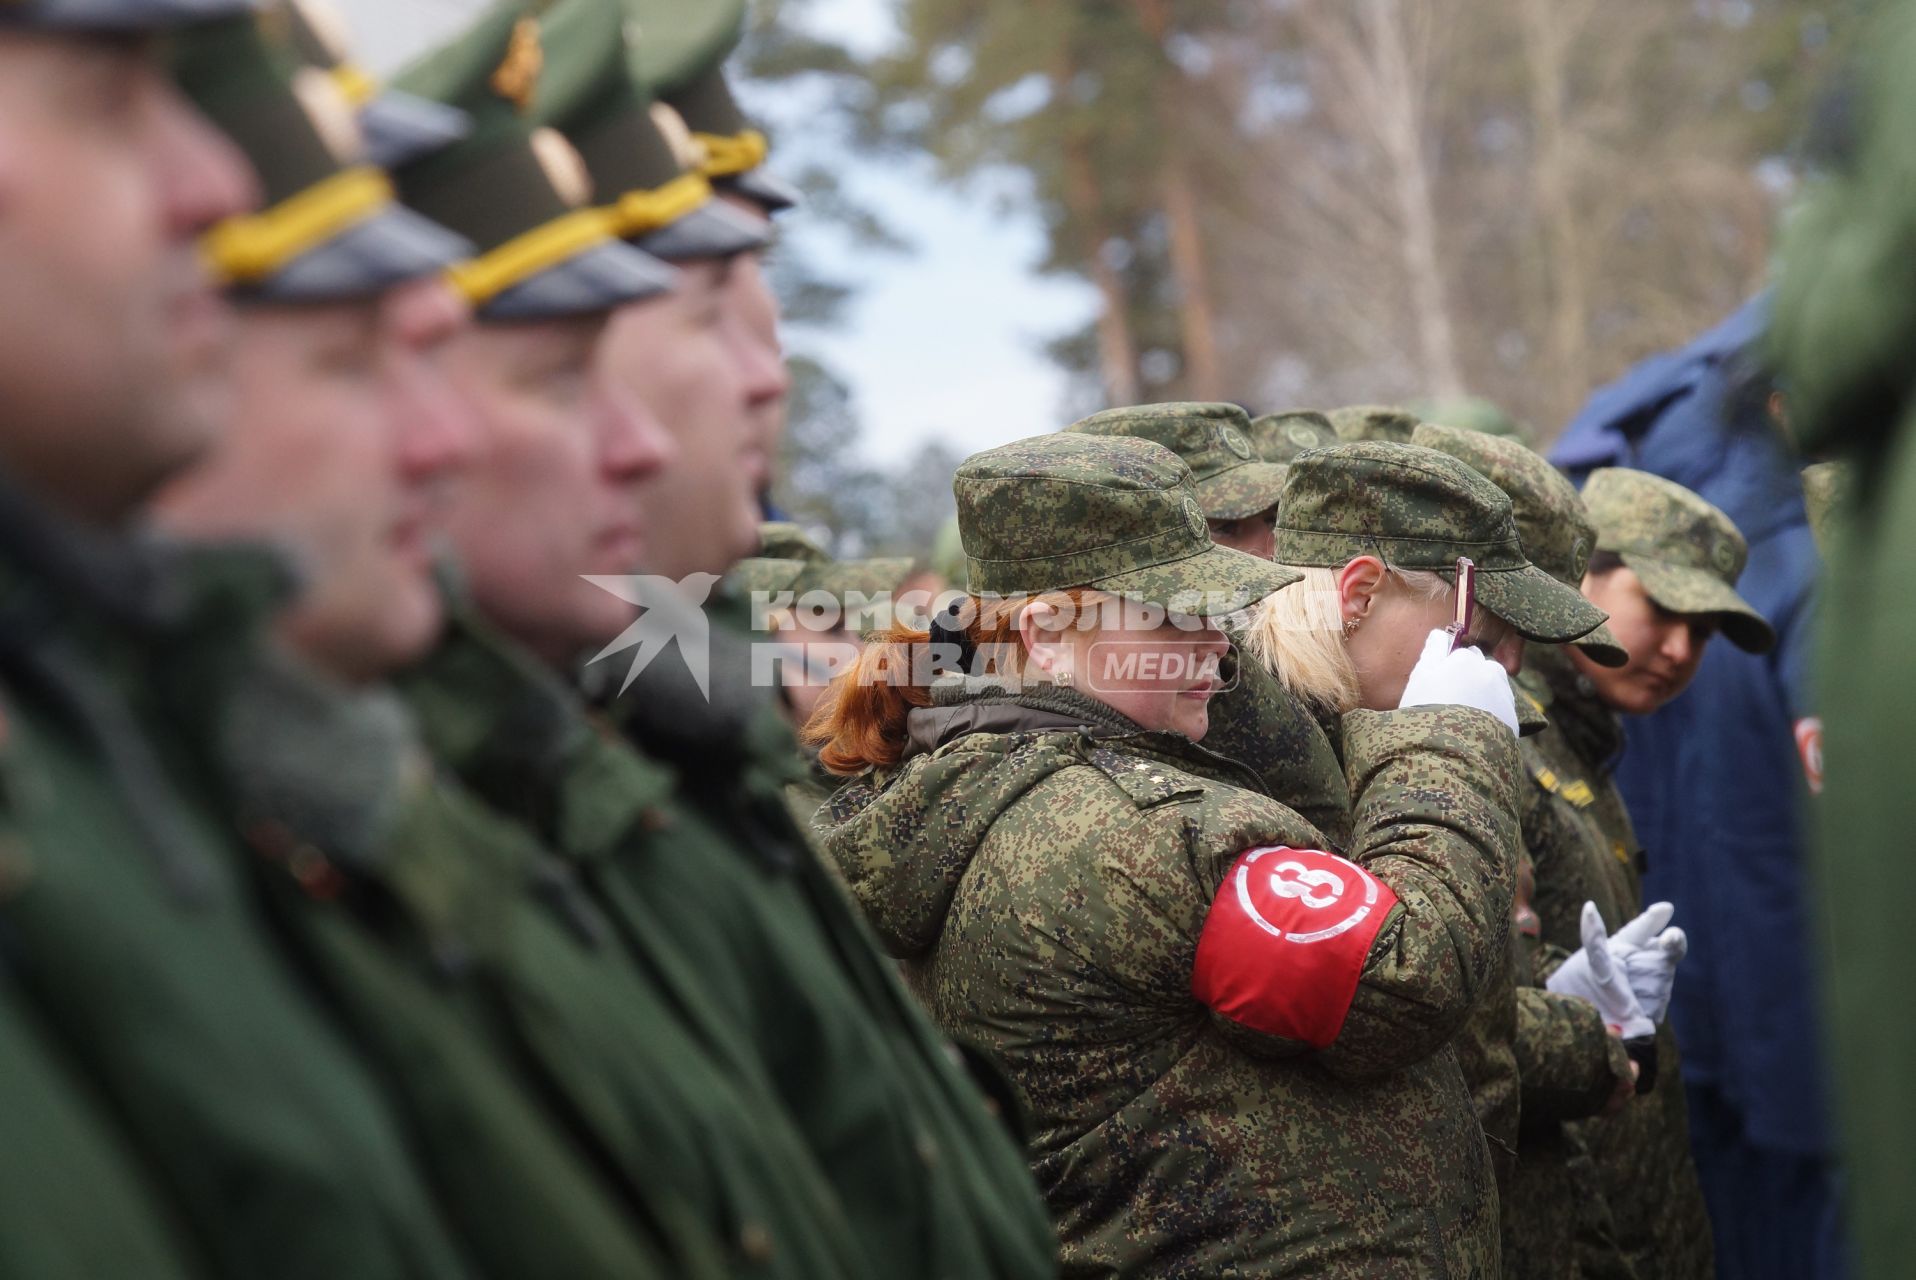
<point x="1047" y="646"/>
<point x="1358" y="585"/>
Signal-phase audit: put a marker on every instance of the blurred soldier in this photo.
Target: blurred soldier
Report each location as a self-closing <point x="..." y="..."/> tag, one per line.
<point x="802" y="1107"/>
<point x="1536" y="1059"/>
<point x="134" y="935"/>
<point x="1716" y="785"/>
<point x="717" y="331"/>
<point x="346" y="436"/>
<point x="1842" y="329"/>
<point x="1664" y="568"/>
<point x="684" y="62"/>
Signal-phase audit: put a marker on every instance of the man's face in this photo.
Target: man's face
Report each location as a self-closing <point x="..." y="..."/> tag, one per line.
<point x="554" y="494"/>
<point x="688" y="358"/>
<point x="113" y="342"/>
<point x="345" y="433"/>
<point x="1665" y="648"/>
<point x="749" y="298"/>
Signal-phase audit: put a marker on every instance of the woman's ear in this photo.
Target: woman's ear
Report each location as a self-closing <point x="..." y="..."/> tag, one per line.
<point x="1047" y="646"/>
<point x="1358" y="584"/>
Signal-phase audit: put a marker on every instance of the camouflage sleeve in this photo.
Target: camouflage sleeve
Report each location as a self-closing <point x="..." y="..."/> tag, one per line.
<point x="1568" y="1062"/>
<point x="1434" y="793"/>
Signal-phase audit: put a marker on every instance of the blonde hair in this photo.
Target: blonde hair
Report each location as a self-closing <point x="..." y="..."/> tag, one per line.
<point x="1298" y="633"/>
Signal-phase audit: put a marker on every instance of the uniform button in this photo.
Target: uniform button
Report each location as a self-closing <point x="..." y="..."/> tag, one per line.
<point x="927" y="1148"/>
<point x="755" y="1242"/>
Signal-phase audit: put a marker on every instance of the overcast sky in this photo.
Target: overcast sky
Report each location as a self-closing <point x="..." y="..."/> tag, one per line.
<point x="944" y="343"/>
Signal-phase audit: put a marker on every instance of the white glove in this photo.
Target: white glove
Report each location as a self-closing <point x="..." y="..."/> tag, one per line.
<point x="1592" y="975"/>
<point x="1649" y="954"/>
<point x="1465" y="678"/>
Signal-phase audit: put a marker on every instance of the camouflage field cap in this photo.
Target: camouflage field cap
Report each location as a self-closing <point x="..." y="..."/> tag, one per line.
<point x="1473" y="413"/>
<point x="644" y="163"/>
<point x="1110" y="512"/>
<point x="1214" y="440"/>
<point x="790" y="559"/>
<point x="681" y="47"/>
<point x="1279" y="437"/>
<point x="332" y="228"/>
<point x="518" y="191"/>
<point x="398" y="126"/>
<point x="1416" y="508"/>
<point x="1373" y="422"/>
<point x="1686" y="552"/>
<point x="1551" y="523"/>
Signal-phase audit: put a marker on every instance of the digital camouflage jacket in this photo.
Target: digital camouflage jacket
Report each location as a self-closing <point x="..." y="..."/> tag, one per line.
<point x="1579" y="836"/>
<point x="1049" y="872"/>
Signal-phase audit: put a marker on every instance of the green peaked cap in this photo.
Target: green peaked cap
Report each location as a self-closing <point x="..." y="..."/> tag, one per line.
<point x="1113" y="513"/>
<point x="399" y="127"/>
<point x="644" y="163"/>
<point x="1416" y="508"/>
<point x="1373" y="422"/>
<point x="331" y="229"/>
<point x="680" y="48"/>
<point x="1214" y="440"/>
<point x="1553" y="526"/>
<point x="520" y="193"/>
<point x="114" y="16"/>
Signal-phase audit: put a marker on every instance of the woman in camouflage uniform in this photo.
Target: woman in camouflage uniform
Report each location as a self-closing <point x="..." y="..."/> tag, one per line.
<point x="1232" y="1043"/>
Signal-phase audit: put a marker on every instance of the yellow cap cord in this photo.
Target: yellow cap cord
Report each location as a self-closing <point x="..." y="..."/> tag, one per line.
<point x="546" y="245"/>
<point x="729" y="156"/>
<point x="638" y="212"/>
<point x="249" y="248"/>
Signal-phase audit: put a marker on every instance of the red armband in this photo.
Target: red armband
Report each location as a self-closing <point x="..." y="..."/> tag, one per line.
<point x="1285" y="942"/>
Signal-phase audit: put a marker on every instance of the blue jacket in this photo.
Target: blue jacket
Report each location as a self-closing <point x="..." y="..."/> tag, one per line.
<point x="1715" y="781"/>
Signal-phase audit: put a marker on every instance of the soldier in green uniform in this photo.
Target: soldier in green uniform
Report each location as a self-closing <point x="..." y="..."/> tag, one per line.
<point x="401" y="898"/>
<point x="131" y="931"/>
<point x="1841" y="329"/>
<point x="1070" y="875"/>
<point x="1664" y="566"/>
<point x="838" y="1096"/>
<point x="1279" y="437"/>
<point x="1536" y="1059"/>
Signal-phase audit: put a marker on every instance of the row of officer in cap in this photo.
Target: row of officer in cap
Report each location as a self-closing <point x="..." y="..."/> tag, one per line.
<point x="340" y="934"/>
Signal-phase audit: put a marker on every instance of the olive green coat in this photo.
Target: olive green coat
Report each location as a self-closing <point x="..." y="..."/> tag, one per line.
<point x="132" y="928"/>
<point x="1046" y="869"/>
<point x="784" y="997"/>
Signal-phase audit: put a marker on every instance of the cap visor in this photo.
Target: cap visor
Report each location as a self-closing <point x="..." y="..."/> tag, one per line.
<point x="867" y="578"/>
<point x="1210" y="584"/>
<point x="776" y="194"/>
<point x="713" y="230"/>
<point x="1536" y="604"/>
<point x="1242" y="491"/>
<point x="1681" y="589"/>
<point x="401" y="127"/>
<point x="369" y="257"/>
<point x="1602" y="648"/>
<point x="763" y="574"/>
<point x="118" y="15"/>
<point x="600" y="278"/>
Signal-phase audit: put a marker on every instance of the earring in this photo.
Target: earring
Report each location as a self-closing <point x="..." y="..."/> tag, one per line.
<point x="1350" y="626"/>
